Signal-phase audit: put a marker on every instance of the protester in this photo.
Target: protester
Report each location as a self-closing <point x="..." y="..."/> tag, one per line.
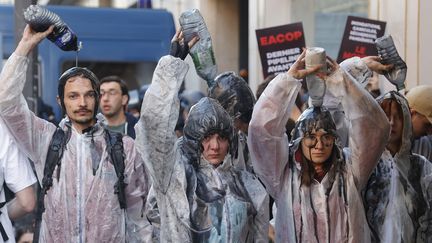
<point x="235" y="96"/>
<point x="17" y="174"/>
<point x="420" y="103"/>
<point x="397" y="196"/>
<point x="201" y="197"/>
<point x="316" y="184"/>
<point x="113" y="104"/>
<point x="87" y="199"/>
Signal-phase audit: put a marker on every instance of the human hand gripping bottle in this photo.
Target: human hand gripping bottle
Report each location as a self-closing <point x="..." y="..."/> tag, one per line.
<point x="389" y="55"/>
<point x="40" y="19"/>
<point x="316" y="86"/>
<point x="202" y="54"/>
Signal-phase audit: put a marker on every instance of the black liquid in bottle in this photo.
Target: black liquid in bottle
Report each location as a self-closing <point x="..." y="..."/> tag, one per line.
<point x="40" y="19"/>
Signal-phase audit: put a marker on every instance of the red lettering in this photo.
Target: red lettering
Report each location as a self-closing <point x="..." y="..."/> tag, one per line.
<point x="289" y="36"/>
<point x="280" y="38"/>
<point x="272" y="40"/>
<point x="360" y="50"/>
<point x="263" y="40"/>
<point x="346" y="55"/>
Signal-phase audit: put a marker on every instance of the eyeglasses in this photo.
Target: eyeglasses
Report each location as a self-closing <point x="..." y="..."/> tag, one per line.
<point x="311" y="140"/>
<point x="109" y="93"/>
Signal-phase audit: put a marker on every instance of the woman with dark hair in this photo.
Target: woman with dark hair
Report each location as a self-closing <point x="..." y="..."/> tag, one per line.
<point x="316" y="183"/>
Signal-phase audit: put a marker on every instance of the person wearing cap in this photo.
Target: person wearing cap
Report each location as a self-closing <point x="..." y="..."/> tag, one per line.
<point x="420" y="103"/>
<point x="82" y="204"/>
<point x="315" y="183"/>
<point x="397" y="197"/>
<point x="114" y="97"/>
<point x="201" y="197"/>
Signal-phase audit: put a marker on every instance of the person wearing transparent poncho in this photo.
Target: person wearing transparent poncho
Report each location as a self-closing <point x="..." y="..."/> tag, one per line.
<point x="315" y="182"/>
<point x="398" y="197"/>
<point x="201" y="197"/>
<point x="81" y="205"/>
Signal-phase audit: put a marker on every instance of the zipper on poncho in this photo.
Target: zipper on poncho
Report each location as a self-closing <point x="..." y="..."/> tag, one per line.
<point x="80" y="188"/>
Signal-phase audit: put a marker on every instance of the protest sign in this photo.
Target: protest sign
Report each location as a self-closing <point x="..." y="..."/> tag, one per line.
<point x="279" y="47"/>
<point x="359" y="37"/>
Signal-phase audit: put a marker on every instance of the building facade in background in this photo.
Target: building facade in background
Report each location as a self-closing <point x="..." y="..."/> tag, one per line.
<point x="232" y="24"/>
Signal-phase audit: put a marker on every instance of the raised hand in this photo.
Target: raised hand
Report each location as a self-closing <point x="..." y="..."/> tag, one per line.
<point x="30" y="39"/>
<point x="298" y="69"/>
<point x="374" y="64"/>
<point x="178" y="47"/>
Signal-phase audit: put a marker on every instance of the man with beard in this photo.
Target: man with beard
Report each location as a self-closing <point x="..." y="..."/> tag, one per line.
<point x="113" y="102"/>
<point x="83" y="203"/>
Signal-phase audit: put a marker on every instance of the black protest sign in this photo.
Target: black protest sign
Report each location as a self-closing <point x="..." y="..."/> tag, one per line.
<point x="359" y="37"/>
<point x="279" y="47"/>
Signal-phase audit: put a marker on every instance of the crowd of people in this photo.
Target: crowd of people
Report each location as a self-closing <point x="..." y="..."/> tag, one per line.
<point x="220" y="168"/>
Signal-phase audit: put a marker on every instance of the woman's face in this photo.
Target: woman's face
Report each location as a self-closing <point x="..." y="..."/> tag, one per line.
<point x="317" y="146"/>
<point x="215" y="148"/>
<point x="394" y="114"/>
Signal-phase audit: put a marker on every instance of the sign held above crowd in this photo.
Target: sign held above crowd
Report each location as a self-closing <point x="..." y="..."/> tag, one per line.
<point x="359" y="37"/>
<point x="279" y="47"/>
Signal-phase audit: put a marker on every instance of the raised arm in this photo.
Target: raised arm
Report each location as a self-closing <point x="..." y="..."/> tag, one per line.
<point x="29" y="131"/>
<point x="267" y="140"/>
<point x="159" y="113"/>
<point x="369" y="127"/>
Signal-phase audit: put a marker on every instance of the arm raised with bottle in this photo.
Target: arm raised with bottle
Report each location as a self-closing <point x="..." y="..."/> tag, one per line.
<point x="369" y="127"/>
<point x="267" y="139"/>
<point x="29" y="131"/>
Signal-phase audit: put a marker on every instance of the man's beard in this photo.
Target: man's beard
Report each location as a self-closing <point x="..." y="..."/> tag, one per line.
<point x="84" y="121"/>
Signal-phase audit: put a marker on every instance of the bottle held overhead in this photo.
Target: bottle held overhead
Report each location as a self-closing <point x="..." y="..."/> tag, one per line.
<point x="389" y="55"/>
<point x="202" y="54"/>
<point x="316" y="86"/>
<point x="40" y="19"/>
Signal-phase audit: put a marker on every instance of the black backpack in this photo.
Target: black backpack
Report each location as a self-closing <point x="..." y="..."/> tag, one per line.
<point x="55" y="152"/>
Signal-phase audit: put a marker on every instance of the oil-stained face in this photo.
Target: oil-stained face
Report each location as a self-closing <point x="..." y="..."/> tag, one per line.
<point x="317" y="146"/>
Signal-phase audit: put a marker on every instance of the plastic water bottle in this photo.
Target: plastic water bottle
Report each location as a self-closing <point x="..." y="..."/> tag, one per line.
<point x="316" y="86"/>
<point x="40" y="19"/>
<point x="389" y="55"/>
<point x="193" y="24"/>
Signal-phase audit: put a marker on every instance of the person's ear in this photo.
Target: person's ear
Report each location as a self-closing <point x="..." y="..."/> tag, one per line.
<point x="124" y="100"/>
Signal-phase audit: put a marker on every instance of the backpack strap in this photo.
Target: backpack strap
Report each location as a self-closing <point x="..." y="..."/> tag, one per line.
<point x="53" y="159"/>
<point x="114" y="141"/>
<point x="3" y="233"/>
